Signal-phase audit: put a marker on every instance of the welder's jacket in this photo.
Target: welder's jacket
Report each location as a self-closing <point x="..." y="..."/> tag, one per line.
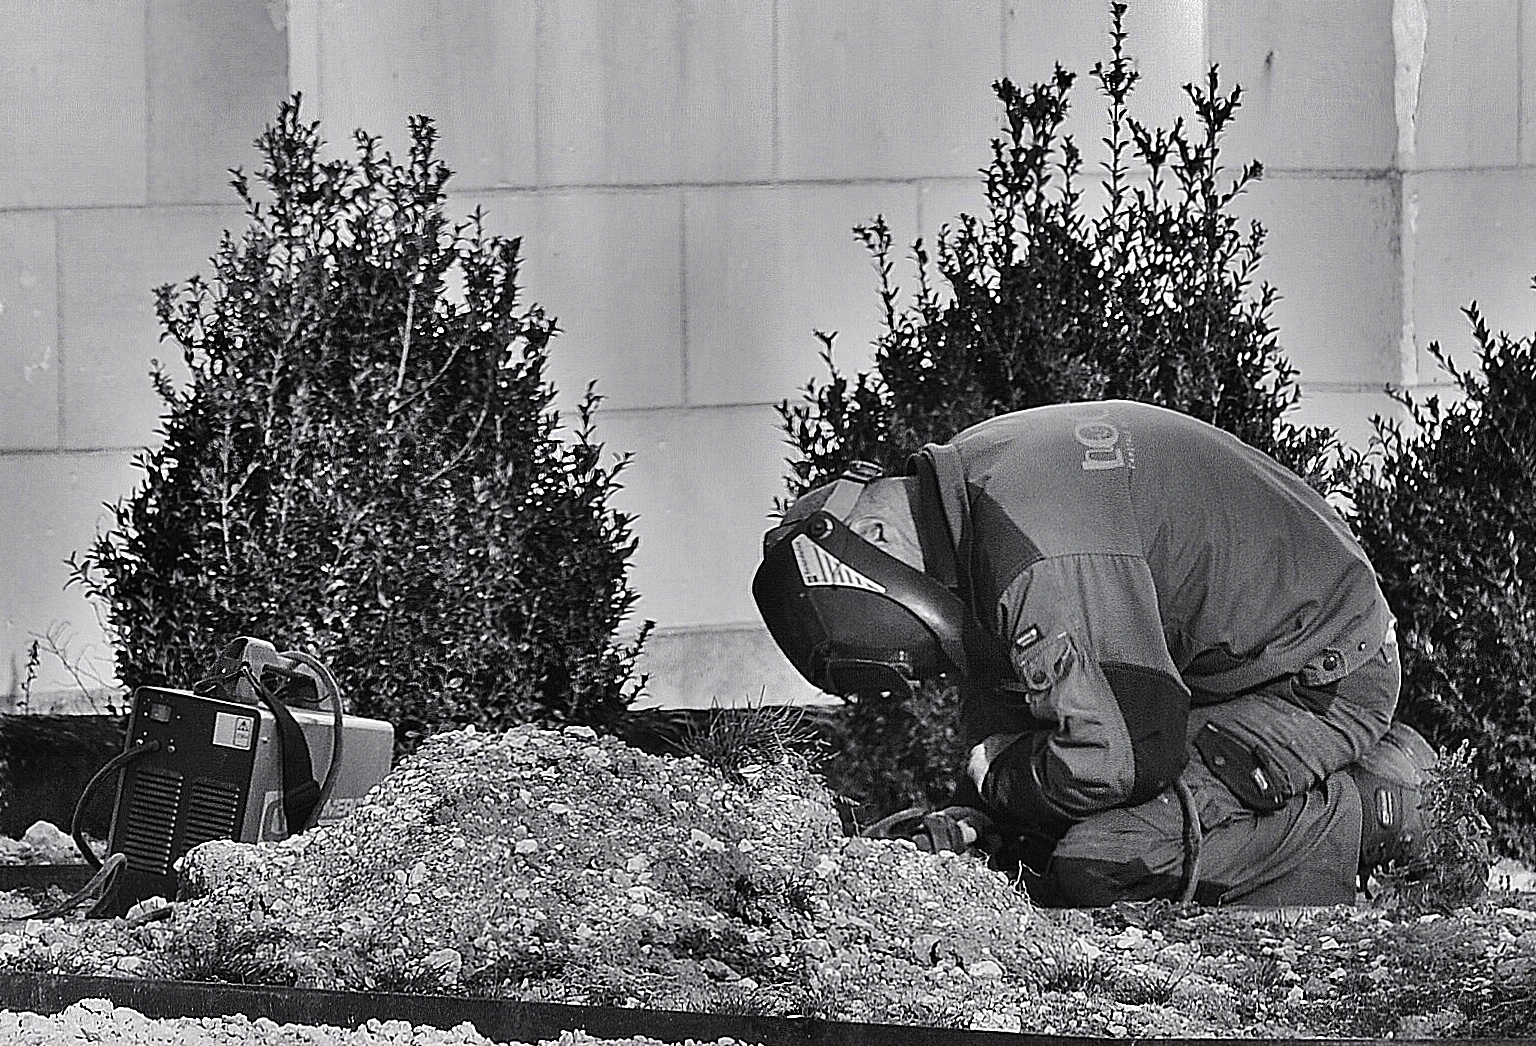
<point x="1122" y="562"/>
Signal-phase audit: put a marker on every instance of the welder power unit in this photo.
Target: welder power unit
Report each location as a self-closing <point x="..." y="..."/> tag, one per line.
<point x="235" y="757"/>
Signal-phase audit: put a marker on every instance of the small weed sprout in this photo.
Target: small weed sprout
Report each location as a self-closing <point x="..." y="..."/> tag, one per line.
<point x="1283" y="921"/>
<point x="21" y="691"/>
<point x="232" y="954"/>
<point x="1065" y="968"/>
<point x="741" y="743"/>
<point x="743" y="1000"/>
<point x="821" y="1002"/>
<point x="929" y="1015"/>
<point x="1143" y="985"/>
<point x="510" y="971"/>
<point x="748" y="900"/>
<point x="801" y="892"/>
<point x="406" y="977"/>
<point x="1257" y="975"/>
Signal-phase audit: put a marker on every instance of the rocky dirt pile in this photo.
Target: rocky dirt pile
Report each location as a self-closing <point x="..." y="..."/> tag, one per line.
<point x="572" y="868"/>
<point x="566" y="867"/>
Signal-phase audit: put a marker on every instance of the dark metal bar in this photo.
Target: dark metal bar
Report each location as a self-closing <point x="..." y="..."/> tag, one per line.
<point x="504" y="1020"/>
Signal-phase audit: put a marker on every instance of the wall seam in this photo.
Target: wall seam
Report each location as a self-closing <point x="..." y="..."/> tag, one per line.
<point x="538" y="95"/>
<point x="1205" y="36"/>
<point x="320" y="52"/>
<point x="1410" y="31"/>
<point x="69" y="452"/>
<point x="685" y="375"/>
<point x="775" y="131"/>
<point x="147" y="194"/>
<point x="59" y="400"/>
<point x="1002" y="39"/>
<point x="1519" y="81"/>
<point x="682" y="297"/>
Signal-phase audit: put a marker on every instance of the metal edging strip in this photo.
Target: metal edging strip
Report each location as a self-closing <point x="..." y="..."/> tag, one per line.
<point x="506" y="1020"/>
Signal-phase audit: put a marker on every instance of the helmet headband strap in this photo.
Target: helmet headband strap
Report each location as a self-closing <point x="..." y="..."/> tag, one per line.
<point x="850" y="486"/>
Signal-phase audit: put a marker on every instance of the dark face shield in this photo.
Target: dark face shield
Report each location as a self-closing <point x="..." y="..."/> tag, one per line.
<point x="850" y="618"/>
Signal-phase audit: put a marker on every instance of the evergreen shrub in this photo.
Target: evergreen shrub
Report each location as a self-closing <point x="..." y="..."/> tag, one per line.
<point x="1446" y="509"/>
<point x="1038" y="300"/>
<point x="365" y="462"/>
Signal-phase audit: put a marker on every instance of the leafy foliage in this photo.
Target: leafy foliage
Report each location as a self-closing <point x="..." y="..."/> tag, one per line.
<point x="1455" y="853"/>
<point x="884" y="754"/>
<point x="365" y="462"/>
<point x="1445" y="510"/>
<point x="1038" y="301"/>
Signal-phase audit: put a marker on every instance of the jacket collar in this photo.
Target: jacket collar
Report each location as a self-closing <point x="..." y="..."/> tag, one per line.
<point x="939" y="508"/>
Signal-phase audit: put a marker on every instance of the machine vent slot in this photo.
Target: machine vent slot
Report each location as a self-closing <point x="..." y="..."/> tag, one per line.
<point x="151" y="820"/>
<point x="212" y="810"/>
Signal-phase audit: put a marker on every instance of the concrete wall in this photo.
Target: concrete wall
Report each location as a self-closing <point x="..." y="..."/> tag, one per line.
<point x="685" y="175"/>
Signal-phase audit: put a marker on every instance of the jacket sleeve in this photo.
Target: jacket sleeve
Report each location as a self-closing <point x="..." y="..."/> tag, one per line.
<point x="1102" y="708"/>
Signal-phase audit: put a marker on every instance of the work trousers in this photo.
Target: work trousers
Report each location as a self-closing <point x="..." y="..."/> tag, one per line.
<point x="1304" y="853"/>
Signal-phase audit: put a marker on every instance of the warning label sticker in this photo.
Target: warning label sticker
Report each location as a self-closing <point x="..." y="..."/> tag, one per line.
<point x="233" y="731"/>
<point x="274" y="819"/>
<point x="820" y="567"/>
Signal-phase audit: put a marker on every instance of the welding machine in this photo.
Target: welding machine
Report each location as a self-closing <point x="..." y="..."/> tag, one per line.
<point x="232" y="758"/>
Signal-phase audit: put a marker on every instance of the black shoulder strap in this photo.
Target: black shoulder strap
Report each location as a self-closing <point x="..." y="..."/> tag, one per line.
<point x="300" y="790"/>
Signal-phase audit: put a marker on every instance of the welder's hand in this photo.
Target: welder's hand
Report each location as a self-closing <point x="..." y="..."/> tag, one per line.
<point x="957" y="829"/>
<point x="954" y="828"/>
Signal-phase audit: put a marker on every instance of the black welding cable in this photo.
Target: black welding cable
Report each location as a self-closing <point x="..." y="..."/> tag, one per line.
<point x="1194" y="840"/>
<point x="100" y="886"/>
<point x="105" y="878"/>
<point x="113" y="765"/>
<point x="885" y="827"/>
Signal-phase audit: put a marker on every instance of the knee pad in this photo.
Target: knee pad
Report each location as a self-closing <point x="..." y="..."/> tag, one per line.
<point x="1390" y="778"/>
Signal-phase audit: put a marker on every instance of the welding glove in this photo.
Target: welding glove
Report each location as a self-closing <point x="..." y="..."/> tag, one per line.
<point x="958" y="829"/>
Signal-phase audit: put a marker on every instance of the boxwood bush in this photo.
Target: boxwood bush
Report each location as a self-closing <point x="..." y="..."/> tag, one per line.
<point x="365" y="462"/>
<point x="1037" y="300"/>
<point x="1446" y="509"/>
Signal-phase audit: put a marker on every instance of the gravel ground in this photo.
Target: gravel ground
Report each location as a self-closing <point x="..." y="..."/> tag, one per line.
<point x="569" y="868"/>
<point x="43" y="843"/>
<point x="98" y="1021"/>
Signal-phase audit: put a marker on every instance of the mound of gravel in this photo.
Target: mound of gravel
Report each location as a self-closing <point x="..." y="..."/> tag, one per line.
<point x="560" y="866"/>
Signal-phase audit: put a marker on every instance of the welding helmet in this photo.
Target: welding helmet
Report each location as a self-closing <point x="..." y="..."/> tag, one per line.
<point x="850" y="617"/>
